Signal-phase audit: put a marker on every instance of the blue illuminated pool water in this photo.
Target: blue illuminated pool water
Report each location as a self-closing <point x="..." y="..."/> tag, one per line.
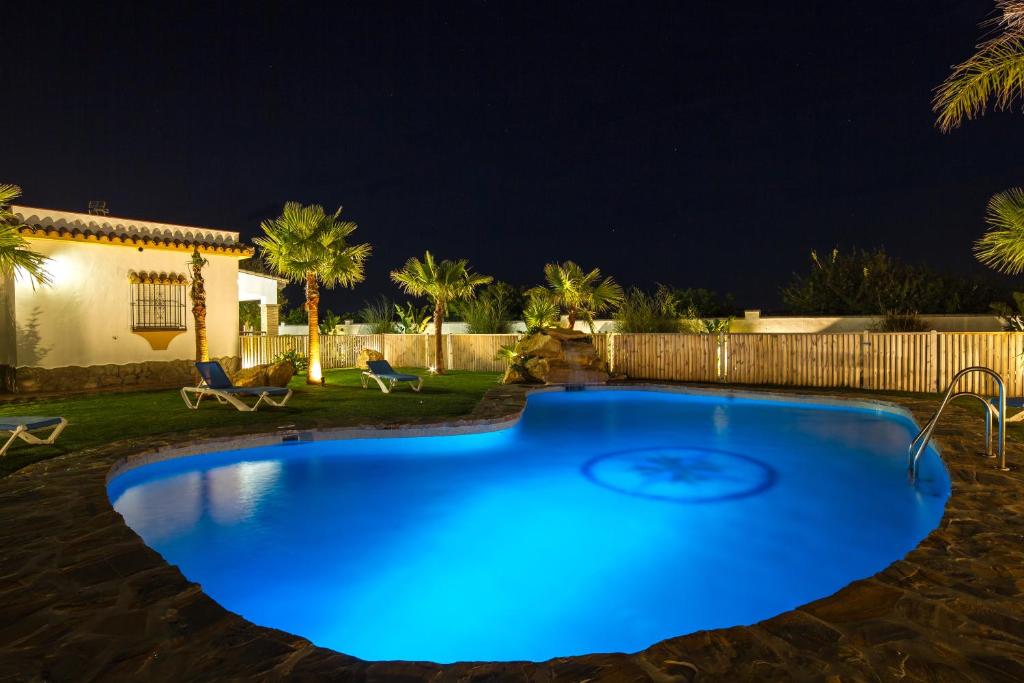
<point x="603" y="521"/>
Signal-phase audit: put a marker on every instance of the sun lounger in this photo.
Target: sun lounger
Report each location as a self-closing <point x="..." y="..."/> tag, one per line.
<point x="217" y="384"/>
<point x="382" y="372"/>
<point x="1017" y="404"/>
<point x="22" y="427"/>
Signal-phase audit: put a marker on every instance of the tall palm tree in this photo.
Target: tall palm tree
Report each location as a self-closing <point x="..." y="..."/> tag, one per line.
<point x="580" y="294"/>
<point x="305" y="244"/>
<point x="16" y="258"/>
<point x="199" y="304"/>
<point x="995" y="73"/>
<point x="443" y="283"/>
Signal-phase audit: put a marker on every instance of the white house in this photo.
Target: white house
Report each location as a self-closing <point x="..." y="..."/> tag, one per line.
<point x="119" y="293"/>
<point x="264" y="289"/>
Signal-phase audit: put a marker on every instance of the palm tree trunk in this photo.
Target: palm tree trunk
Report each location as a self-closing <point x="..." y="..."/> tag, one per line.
<point x="314" y="374"/>
<point x="438" y="341"/>
<point x="571" y="318"/>
<point x="8" y="334"/>
<point x="199" y="307"/>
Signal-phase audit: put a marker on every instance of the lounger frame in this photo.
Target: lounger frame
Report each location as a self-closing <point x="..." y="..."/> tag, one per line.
<point x="231" y="398"/>
<point x="388" y="383"/>
<point x="24" y="432"/>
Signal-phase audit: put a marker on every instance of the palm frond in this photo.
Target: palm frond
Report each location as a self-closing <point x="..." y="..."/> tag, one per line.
<point x="540" y="311"/>
<point x="1002" y="246"/>
<point x="604" y="295"/>
<point x="16" y="255"/>
<point x="305" y="239"/>
<point x="995" y="74"/>
<point x="443" y="281"/>
<point x="8" y="193"/>
<point x="579" y="292"/>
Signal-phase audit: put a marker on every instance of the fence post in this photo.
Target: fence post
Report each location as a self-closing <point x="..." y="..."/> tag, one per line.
<point x="864" y="359"/>
<point x="723" y="356"/>
<point x="933" y="362"/>
<point x="610" y="351"/>
<point x="449" y="354"/>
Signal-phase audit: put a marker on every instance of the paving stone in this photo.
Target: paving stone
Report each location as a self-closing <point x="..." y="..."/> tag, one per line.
<point x="83" y="598"/>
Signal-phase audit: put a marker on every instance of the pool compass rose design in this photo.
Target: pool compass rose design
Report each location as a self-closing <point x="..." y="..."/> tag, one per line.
<point x="680" y="474"/>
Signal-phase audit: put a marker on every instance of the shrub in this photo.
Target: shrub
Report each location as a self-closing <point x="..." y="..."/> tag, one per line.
<point x="490" y="312"/>
<point x="380" y="316"/>
<point x="715" y="325"/>
<point x="328" y="322"/>
<point x="249" y="316"/>
<point x="298" y="361"/>
<point x="642" y="312"/>
<point x="1011" y="316"/>
<point x="412" y="320"/>
<point x="702" y="303"/>
<point x="901" y="322"/>
<point x="862" y="282"/>
<point x="296" y="316"/>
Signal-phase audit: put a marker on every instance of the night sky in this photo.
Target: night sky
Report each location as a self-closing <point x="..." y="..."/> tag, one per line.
<point x="696" y="144"/>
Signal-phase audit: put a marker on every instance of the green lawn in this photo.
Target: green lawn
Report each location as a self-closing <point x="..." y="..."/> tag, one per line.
<point x="100" y="419"/>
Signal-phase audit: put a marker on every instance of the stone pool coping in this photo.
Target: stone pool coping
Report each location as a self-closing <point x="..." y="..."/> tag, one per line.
<point x="83" y="598"/>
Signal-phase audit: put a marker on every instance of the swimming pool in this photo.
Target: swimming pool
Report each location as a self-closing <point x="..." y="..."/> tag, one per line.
<point x="604" y="520"/>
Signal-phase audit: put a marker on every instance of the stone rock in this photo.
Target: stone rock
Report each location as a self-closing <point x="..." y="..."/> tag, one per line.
<point x="557" y="356"/>
<point x="255" y="376"/>
<point x="513" y="375"/>
<point x="367" y="355"/>
<point x="280" y="374"/>
<point x="565" y="334"/>
<point x="539" y="345"/>
<point x="535" y="368"/>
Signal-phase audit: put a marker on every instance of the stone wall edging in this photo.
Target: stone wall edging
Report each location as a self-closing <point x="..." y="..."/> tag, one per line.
<point x="72" y="378"/>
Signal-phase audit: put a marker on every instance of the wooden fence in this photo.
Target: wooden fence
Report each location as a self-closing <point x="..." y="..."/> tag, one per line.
<point x="679" y="357"/>
<point x="475" y="352"/>
<point x="336" y="351"/>
<point x="917" y="361"/>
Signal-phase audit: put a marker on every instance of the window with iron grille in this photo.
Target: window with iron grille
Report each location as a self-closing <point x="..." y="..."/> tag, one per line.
<point x="158" y="306"/>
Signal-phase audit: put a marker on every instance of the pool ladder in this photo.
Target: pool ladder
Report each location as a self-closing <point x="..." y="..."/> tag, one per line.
<point x="996" y="412"/>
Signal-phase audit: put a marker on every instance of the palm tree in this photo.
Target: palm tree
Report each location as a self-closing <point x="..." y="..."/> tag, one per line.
<point x="580" y="294"/>
<point x="994" y="73"/>
<point x="1002" y="246"/>
<point x="305" y="244"/>
<point x="540" y="311"/>
<point x="15" y="259"/>
<point x="15" y="256"/>
<point x="199" y="305"/>
<point x="443" y="283"/>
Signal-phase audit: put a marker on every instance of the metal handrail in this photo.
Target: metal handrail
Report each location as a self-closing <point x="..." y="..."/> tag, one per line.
<point x="920" y="442"/>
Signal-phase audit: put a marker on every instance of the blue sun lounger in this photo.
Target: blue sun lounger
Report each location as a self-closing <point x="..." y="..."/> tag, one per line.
<point x="21" y="427"/>
<point x="1016" y="403"/>
<point x="385" y="375"/>
<point x="216" y="383"/>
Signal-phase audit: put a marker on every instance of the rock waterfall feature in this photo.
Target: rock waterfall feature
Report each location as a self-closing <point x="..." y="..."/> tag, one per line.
<point x="556" y="356"/>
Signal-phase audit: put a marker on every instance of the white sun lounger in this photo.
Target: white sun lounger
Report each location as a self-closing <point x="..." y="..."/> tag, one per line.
<point x="381" y="372"/>
<point x="217" y="384"/>
<point x="21" y="427"/>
